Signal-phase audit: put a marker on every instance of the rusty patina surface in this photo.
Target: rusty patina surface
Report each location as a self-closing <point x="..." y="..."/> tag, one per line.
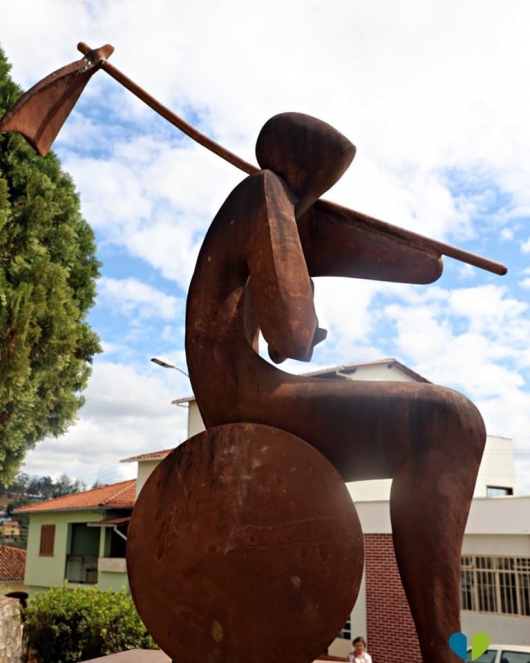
<point x="244" y="545"/>
<point x="40" y="113"/>
<point x="243" y="542"/>
<point x="254" y="272"/>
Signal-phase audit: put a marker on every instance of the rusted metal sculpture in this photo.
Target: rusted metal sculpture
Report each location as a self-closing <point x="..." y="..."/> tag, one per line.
<point x="244" y="543"/>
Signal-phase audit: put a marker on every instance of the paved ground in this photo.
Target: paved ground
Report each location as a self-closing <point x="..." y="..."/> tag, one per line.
<point x="142" y="656"/>
<point x="134" y="656"/>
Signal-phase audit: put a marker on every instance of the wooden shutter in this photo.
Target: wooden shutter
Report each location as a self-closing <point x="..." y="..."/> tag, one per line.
<point x="47" y="540"/>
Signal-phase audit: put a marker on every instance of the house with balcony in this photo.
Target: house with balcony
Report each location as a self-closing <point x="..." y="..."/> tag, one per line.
<point x="79" y="538"/>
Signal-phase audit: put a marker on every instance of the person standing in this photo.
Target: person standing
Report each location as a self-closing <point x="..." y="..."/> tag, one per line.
<point x="359" y="653"/>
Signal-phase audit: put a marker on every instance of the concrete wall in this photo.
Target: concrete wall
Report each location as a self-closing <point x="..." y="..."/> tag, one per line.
<point x="114" y="581"/>
<point x="195" y="422"/>
<point x="145" y="469"/>
<point x="500" y="516"/>
<point x="112" y="573"/>
<point x="11" y="641"/>
<point x="493" y="519"/>
<point x="501" y="629"/>
<point x="497" y="467"/>
<point x="367" y="491"/>
<point x="380" y="373"/>
<point x="506" y="545"/>
<point x="340" y="647"/>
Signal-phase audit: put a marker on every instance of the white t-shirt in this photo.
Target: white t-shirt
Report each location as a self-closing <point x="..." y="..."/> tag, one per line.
<point x="363" y="658"/>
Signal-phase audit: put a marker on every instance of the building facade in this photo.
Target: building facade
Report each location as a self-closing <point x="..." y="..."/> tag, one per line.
<point x="79" y="539"/>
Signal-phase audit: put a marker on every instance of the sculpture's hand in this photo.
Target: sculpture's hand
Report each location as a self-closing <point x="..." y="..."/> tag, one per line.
<point x="281" y="287"/>
<point x="320" y="335"/>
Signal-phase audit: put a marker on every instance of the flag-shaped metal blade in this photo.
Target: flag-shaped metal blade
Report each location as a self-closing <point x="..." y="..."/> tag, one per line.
<point x="41" y="112"/>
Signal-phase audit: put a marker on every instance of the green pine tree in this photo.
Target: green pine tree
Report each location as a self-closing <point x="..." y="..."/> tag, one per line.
<point x="48" y="270"/>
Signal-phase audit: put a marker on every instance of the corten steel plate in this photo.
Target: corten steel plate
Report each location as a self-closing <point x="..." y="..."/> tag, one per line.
<point x="244" y="544"/>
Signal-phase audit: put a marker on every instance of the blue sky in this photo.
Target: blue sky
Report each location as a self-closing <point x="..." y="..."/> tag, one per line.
<point x="431" y="94"/>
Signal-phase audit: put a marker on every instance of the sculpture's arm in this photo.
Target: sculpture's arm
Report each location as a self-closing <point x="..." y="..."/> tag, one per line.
<point x="335" y="243"/>
<point x="281" y="287"/>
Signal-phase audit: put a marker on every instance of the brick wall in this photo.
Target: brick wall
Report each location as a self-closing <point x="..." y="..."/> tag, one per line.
<point x="391" y="634"/>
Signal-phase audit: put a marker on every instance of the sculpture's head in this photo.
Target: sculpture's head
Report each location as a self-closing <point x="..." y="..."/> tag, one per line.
<point x="310" y="155"/>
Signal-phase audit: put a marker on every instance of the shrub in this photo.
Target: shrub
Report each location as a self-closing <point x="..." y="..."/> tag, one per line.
<point x="68" y="625"/>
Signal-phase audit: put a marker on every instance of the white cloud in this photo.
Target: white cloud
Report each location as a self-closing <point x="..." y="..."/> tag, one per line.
<point x="489" y="309"/>
<point x="127" y="412"/>
<point x="134" y="298"/>
<point x="466" y="272"/>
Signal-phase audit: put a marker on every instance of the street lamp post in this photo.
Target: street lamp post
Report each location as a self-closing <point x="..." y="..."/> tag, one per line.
<point x="167" y="364"/>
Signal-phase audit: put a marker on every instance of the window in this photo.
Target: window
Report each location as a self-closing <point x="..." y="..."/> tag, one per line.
<point x="116" y="543"/>
<point x="514" y="657"/>
<point x="496" y="584"/>
<point x="82" y="561"/>
<point x="498" y="491"/>
<point x="47" y="540"/>
<point x="345" y="634"/>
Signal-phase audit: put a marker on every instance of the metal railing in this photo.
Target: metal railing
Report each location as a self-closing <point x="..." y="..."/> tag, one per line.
<point x="82" y="569"/>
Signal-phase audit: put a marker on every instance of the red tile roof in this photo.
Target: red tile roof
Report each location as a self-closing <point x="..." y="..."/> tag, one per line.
<point x="152" y="455"/>
<point x="12" y="563"/>
<point x="120" y="495"/>
<point x="108" y="522"/>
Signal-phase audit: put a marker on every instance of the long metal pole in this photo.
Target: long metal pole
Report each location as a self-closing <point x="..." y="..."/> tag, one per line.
<point x="171" y="117"/>
<point x="354" y="217"/>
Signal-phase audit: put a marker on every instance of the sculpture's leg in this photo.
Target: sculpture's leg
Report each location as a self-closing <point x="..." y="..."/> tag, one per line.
<point x="430" y="500"/>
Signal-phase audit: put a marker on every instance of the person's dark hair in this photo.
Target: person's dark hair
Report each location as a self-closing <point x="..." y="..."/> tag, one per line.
<point x="360" y="639"/>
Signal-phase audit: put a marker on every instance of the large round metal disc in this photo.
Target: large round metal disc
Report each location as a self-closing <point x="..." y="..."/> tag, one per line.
<point x="244" y="545"/>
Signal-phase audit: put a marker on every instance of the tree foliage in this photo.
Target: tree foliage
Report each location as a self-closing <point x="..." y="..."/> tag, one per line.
<point x="42" y="488"/>
<point x="48" y="270"/>
<point x="66" y="626"/>
<point x="25" y="490"/>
